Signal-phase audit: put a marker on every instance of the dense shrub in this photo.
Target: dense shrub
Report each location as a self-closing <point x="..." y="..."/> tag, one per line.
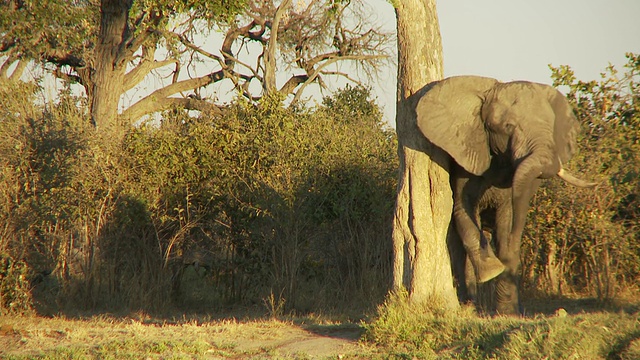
<point x="263" y="202"/>
<point x="281" y="201"/>
<point x="47" y="202"/>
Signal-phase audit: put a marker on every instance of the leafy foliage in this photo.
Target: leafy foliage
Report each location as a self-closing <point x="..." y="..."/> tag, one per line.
<point x="43" y="28"/>
<point x="272" y="197"/>
<point x="267" y="200"/>
<point x="37" y="29"/>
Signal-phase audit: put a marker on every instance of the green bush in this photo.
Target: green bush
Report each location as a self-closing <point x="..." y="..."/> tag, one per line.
<point x="203" y="212"/>
<point x="41" y="178"/>
<point x="288" y="201"/>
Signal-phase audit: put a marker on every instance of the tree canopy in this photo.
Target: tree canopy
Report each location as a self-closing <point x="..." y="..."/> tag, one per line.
<point x="113" y="46"/>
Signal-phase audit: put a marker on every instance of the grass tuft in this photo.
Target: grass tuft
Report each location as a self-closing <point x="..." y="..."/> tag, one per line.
<point x="414" y="331"/>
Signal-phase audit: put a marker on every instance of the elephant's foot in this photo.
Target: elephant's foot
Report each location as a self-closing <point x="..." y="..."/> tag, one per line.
<point x="488" y="268"/>
<point x="507" y="301"/>
<point x="508" y="308"/>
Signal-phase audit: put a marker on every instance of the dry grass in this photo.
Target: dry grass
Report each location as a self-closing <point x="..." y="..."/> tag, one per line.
<point x="412" y="332"/>
<point x="399" y="331"/>
<point x="139" y="336"/>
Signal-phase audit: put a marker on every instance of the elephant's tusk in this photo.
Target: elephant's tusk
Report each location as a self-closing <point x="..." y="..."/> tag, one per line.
<point x="566" y="176"/>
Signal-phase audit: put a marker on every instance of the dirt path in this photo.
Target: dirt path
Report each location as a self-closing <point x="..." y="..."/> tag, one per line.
<point x="298" y="341"/>
<point x="230" y="339"/>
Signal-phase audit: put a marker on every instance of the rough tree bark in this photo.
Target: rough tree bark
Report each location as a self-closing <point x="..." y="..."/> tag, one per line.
<point x="424" y="202"/>
<point x="107" y="80"/>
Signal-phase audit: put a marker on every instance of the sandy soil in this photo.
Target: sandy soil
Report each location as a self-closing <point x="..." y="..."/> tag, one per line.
<point x="297" y="341"/>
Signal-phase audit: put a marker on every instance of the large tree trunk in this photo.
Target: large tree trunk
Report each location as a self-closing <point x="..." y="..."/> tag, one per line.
<point x="424" y="202"/>
<point x="107" y="80"/>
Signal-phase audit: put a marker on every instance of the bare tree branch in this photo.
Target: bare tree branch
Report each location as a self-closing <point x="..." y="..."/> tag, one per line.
<point x="145" y="66"/>
<point x="342" y="74"/>
<point x="133" y="43"/>
<point x="61" y="59"/>
<point x="292" y="83"/>
<point x="17" y="71"/>
<point x="312" y="38"/>
<point x="156" y="100"/>
<point x="230" y="61"/>
<point x="314" y="74"/>
<point x="189" y="103"/>
<point x="269" y="83"/>
<point x="67" y="76"/>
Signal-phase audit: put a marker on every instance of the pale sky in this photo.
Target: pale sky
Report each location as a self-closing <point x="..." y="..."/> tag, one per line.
<point x="518" y="39"/>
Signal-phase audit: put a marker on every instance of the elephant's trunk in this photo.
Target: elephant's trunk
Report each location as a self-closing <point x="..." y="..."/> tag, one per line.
<point x="566" y="176"/>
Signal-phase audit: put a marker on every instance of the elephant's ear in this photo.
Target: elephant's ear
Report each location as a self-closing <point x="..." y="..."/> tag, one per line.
<point x="449" y="116"/>
<point x="566" y="126"/>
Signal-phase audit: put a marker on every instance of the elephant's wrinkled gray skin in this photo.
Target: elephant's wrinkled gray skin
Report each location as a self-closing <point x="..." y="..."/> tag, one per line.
<point x="504" y="138"/>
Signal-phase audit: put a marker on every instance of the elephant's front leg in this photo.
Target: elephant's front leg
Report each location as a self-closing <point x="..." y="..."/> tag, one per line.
<point x="467" y="191"/>
<point x="507" y="284"/>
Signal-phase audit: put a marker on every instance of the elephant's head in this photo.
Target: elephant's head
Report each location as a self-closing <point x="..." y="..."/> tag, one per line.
<point x="473" y="118"/>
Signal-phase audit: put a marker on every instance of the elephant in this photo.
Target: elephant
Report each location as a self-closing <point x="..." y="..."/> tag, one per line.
<point x="504" y="138"/>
